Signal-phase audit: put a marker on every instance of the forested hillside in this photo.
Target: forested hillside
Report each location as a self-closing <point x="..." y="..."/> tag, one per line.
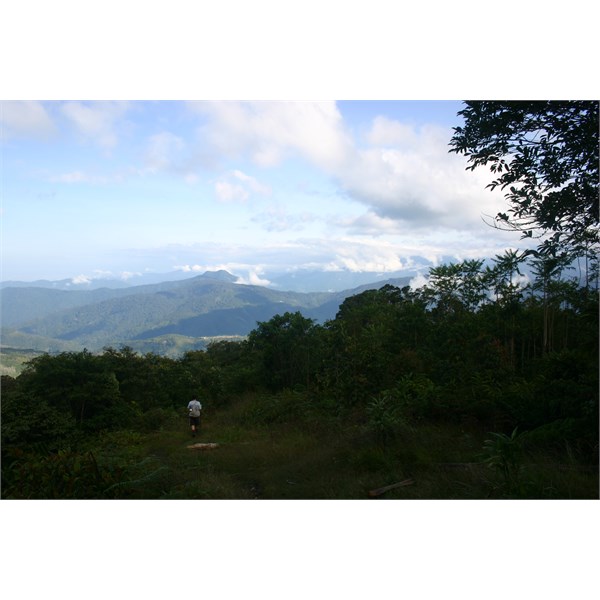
<point x="166" y="318"/>
<point x="473" y="386"/>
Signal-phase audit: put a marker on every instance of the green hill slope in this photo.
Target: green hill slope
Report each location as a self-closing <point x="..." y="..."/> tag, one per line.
<point x="205" y="306"/>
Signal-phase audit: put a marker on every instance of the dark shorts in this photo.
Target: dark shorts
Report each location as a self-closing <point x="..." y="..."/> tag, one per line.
<point x="195" y="421"/>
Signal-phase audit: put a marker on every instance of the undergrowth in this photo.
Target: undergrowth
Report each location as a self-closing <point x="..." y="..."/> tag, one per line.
<point x="275" y="450"/>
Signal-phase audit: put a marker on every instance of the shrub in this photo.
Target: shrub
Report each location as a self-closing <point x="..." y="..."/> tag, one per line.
<point x="503" y="453"/>
<point x="62" y="475"/>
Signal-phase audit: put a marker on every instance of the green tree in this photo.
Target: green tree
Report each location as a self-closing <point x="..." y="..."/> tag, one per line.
<point x="285" y="344"/>
<point x="545" y="154"/>
<point x="75" y="383"/>
<point x="501" y="278"/>
<point x="456" y="287"/>
<point x="554" y="292"/>
<point x="376" y="337"/>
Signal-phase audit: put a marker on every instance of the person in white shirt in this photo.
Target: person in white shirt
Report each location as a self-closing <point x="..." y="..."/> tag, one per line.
<point x="194" y="408"/>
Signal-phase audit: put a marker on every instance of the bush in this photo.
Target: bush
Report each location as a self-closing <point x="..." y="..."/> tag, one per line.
<point x="27" y="421"/>
<point x="157" y="419"/>
<point x="384" y="417"/>
<point x="412" y="397"/>
<point x="503" y="453"/>
<point x="62" y="475"/>
<point x="285" y="407"/>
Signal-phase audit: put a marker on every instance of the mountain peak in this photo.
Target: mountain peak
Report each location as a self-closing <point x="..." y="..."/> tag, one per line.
<point x="220" y="275"/>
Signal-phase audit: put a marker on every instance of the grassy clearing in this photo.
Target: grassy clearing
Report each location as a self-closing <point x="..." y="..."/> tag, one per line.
<point x="287" y="461"/>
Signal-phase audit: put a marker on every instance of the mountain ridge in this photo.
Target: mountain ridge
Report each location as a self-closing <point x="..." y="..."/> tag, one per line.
<point x="204" y="306"/>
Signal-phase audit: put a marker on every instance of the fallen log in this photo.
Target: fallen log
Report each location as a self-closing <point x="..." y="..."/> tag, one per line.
<point x="387" y="488"/>
<point x="203" y="446"/>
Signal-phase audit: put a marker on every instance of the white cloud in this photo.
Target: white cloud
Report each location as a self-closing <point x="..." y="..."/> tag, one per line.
<point x="230" y="192"/>
<point x="251" y="183"/>
<point x="189" y="268"/>
<point x="269" y="132"/>
<point x="25" y="119"/>
<point x="97" y="121"/>
<point x="387" y="132"/>
<point x="364" y="255"/>
<point x="418" y="282"/>
<point x="237" y="187"/>
<point x="253" y="278"/>
<point x="418" y="183"/>
<point x="81" y="280"/>
<point x="405" y="174"/>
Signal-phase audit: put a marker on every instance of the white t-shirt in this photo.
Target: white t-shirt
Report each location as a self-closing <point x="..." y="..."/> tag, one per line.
<point x="194" y="407"/>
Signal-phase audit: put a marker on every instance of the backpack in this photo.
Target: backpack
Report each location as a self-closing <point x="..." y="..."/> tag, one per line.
<point x="195" y="409"/>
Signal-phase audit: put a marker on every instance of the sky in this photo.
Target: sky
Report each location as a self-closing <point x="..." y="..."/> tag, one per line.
<point x="95" y="189"/>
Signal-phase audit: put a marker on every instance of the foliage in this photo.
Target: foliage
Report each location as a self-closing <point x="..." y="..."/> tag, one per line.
<point x="545" y="154"/>
<point x="27" y="421"/>
<point x="503" y="453"/>
<point x="284" y="346"/>
<point x="60" y="475"/>
<point x="383" y="416"/>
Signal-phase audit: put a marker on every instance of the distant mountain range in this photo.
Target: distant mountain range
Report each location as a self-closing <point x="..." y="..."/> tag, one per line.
<point x="166" y="317"/>
<point x="299" y="280"/>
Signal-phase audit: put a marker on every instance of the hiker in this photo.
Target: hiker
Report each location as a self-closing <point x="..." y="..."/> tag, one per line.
<point x="194" y="408"/>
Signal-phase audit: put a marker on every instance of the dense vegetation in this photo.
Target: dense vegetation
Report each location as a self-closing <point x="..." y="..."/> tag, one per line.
<point x="477" y="385"/>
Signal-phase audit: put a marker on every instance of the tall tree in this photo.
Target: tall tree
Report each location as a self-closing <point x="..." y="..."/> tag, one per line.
<point x="545" y="155"/>
<point x="284" y="343"/>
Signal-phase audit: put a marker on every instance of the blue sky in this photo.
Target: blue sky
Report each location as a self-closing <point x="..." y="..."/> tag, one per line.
<point x="119" y="188"/>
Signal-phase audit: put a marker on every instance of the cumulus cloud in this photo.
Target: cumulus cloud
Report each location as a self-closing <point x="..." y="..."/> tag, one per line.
<point x="417" y="181"/>
<point x="418" y="281"/>
<point x="96" y="121"/>
<point x="269" y="132"/>
<point x="253" y="277"/>
<point x="387" y="132"/>
<point x="404" y="173"/>
<point x="28" y="119"/>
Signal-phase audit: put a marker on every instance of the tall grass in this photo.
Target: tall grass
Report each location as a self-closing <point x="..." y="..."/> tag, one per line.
<point x="277" y="448"/>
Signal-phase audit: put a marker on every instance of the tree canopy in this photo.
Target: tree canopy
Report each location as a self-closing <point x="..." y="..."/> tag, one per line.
<point x="545" y="154"/>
